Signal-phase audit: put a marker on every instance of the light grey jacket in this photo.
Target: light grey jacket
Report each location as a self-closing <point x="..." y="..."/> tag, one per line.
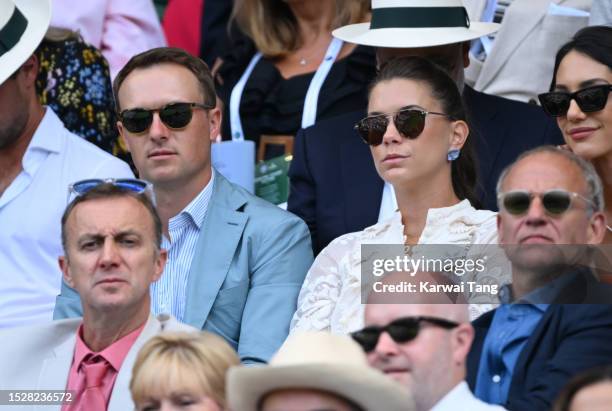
<point x="39" y="358"/>
<point x="520" y="65"/>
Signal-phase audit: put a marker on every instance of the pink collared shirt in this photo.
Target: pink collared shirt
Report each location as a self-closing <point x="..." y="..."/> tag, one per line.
<point x="114" y="354"/>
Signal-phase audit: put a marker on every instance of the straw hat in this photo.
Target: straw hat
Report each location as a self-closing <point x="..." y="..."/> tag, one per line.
<point x="320" y="361"/>
<point x="415" y="23"/>
<point x="23" y="24"/>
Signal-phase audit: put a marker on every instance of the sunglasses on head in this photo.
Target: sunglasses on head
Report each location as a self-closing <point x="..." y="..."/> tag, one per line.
<point x="134" y="185"/>
<point x="173" y="115"/>
<point x="401" y="331"/>
<point x="409" y="122"/>
<point x="555" y="202"/>
<point x="590" y="99"/>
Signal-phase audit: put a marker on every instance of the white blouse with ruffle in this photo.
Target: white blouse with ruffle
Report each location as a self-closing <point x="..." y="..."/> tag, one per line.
<point x="330" y="298"/>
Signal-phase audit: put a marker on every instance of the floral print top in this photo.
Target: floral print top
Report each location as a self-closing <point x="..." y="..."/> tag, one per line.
<point x="74" y="81"/>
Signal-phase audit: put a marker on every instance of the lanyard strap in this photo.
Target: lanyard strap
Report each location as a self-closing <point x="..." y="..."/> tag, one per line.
<point x="312" y="95"/>
<point x="309" y="115"/>
<point x="236" y="96"/>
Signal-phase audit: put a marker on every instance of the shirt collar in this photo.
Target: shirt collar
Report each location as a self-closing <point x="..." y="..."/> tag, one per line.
<point x="549" y="292"/>
<point x="196" y="209"/>
<point x="114" y="353"/>
<point x="541" y="297"/>
<point x="442" y="213"/>
<point x="48" y="134"/>
<point x="457" y="395"/>
<point x="48" y="138"/>
<point x="198" y="206"/>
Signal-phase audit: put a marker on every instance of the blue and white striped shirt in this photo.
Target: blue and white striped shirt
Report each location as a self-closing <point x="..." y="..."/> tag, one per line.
<point x="169" y="293"/>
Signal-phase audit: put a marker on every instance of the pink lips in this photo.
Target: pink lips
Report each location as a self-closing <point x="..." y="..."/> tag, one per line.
<point x="581" y="133"/>
<point x="394" y="158"/>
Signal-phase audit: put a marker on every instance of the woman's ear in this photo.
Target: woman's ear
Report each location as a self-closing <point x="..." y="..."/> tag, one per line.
<point x="459" y="135"/>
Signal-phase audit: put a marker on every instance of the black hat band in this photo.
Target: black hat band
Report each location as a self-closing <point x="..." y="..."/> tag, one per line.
<point x="419" y="17"/>
<point x="11" y="33"/>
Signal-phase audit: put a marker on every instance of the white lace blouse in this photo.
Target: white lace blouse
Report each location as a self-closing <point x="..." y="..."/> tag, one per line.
<point x="330" y="298"/>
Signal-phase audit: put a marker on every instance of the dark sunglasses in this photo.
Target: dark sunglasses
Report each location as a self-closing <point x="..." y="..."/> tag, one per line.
<point x="590" y="99"/>
<point x="555" y="202"/>
<point x="401" y="331"/>
<point x="173" y="115"/>
<point x="80" y="188"/>
<point x="409" y="122"/>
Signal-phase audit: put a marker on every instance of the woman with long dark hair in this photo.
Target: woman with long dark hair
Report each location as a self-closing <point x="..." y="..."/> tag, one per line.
<point x="418" y="134"/>
<point x="580" y="100"/>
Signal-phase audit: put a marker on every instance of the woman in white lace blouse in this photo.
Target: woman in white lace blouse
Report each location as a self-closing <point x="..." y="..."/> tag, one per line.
<point x="418" y="134"/>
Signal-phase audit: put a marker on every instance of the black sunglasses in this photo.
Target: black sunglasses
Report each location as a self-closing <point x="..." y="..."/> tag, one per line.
<point x="590" y="99"/>
<point x="410" y="123"/>
<point x="401" y="330"/>
<point x="173" y="115"/>
<point x="555" y="202"/>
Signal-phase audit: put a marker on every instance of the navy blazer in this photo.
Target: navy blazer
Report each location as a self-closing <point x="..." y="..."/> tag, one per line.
<point x="246" y="275"/>
<point x="569" y="338"/>
<point x="336" y="189"/>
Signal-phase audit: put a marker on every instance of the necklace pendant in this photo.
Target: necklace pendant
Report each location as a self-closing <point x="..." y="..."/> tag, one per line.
<point x="303" y="61"/>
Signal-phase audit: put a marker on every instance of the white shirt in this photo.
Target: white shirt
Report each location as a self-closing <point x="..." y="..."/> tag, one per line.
<point x="461" y="398"/>
<point x="169" y="293"/>
<point x="30" y="218"/>
<point x="388" y="203"/>
<point x="330" y="298"/>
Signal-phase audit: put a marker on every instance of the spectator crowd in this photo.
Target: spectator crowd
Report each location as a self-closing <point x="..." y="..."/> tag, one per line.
<point x="439" y="239"/>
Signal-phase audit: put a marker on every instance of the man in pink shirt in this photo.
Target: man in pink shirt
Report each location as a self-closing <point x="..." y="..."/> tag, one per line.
<point x="111" y="235"/>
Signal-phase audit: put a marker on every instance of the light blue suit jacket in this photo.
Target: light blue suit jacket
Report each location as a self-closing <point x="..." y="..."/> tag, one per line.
<point x="245" y="278"/>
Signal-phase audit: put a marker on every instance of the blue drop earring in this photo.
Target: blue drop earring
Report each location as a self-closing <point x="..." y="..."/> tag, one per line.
<point x="453" y="154"/>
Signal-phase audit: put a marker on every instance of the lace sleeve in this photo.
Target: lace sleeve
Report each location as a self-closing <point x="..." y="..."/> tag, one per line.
<point x="321" y="290"/>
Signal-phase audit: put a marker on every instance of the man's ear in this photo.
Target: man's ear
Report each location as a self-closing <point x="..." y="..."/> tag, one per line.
<point x="160" y="264"/>
<point x="466" y="53"/>
<point x="499" y="230"/>
<point x="65" y="267"/>
<point x="124" y="141"/>
<point x="214" y="121"/>
<point x="462" y="342"/>
<point x="597" y="228"/>
<point x="29" y="71"/>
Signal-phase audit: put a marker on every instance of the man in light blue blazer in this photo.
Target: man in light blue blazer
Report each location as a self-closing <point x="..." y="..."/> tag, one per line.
<point x="236" y="263"/>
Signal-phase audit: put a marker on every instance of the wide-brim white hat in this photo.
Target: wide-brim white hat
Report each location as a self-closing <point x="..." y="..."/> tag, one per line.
<point x="23" y="24"/>
<point x="318" y="361"/>
<point x="415" y="23"/>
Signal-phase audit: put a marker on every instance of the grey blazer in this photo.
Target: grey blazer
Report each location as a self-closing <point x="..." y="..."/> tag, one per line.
<point x="601" y="13"/>
<point x="521" y="62"/>
<point x="39" y="358"/>
<point x="244" y="281"/>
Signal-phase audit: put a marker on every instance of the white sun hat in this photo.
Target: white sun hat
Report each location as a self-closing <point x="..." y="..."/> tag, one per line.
<point x="318" y="361"/>
<point x="23" y="24"/>
<point x="415" y="23"/>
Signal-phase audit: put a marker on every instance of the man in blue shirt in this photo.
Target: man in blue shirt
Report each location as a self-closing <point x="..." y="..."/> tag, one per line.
<point x="541" y="335"/>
